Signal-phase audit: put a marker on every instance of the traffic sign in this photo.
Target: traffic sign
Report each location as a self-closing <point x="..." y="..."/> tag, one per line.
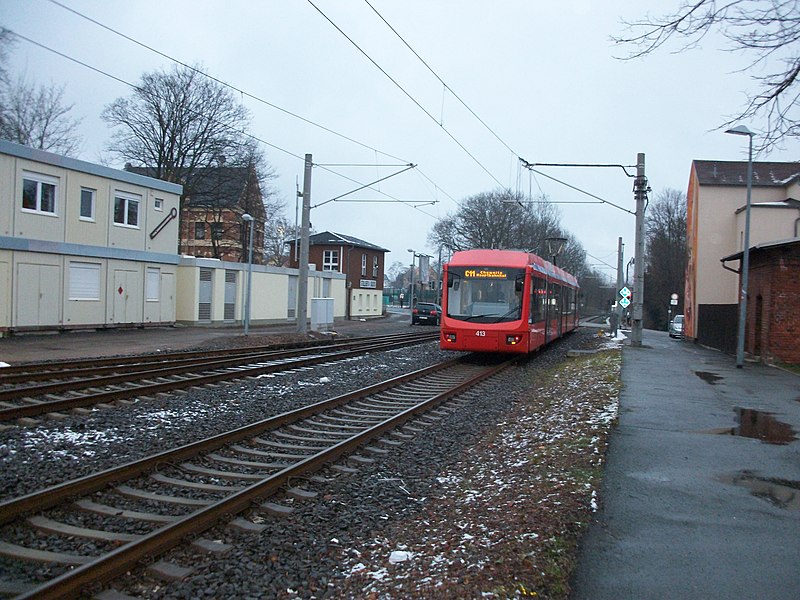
<point x="625" y="302"/>
<point x="625" y="292"/>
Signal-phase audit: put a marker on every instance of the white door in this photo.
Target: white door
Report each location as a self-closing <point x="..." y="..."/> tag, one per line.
<point x="127" y="297"/>
<point x="38" y="295"/>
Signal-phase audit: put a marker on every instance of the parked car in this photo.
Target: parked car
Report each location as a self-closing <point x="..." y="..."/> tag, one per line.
<point x="427" y="313"/>
<point x="676" y="327"/>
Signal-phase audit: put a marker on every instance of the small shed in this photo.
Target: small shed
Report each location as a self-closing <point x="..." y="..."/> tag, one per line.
<point x="772" y="330"/>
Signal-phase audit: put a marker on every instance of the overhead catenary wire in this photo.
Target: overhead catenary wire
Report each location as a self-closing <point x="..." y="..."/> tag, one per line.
<point x="407" y="93"/>
<point x="446" y="87"/>
<point x="241" y="92"/>
<point x="489" y="129"/>
<point x="224" y="83"/>
<point x="245" y="133"/>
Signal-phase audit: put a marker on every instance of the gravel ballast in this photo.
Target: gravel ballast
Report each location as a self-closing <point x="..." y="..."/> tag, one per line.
<point x="487" y="502"/>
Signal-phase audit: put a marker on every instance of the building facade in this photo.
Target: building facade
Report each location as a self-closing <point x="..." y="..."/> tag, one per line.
<point x="211" y="212"/>
<point x="83" y="245"/>
<point x="772" y="333"/>
<point x="361" y="262"/>
<point x="716" y="201"/>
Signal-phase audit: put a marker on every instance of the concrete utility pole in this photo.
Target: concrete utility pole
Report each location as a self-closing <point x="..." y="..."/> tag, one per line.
<point x="302" y="284"/>
<point x="640" y="191"/>
<point x="617" y="315"/>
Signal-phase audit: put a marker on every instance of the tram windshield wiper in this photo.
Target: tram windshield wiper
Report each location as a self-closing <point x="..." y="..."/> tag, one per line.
<point x="508" y="314"/>
<point x="470" y="317"/>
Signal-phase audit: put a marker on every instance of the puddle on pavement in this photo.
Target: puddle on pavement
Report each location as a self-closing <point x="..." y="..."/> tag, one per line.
<point x="780" y="492"/>
<point x="758" y="425"/>
<point x="711" y="378"/>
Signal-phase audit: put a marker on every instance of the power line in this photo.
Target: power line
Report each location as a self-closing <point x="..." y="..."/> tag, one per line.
<point x="234" y="88"/>
<point x="447" y="87"/>
<point x="245" y="133"/>
<point x="529" y="166"/>
<point x="224" y="83"/>
<point x="408" y="95"/>
<point x="134" y="86"/>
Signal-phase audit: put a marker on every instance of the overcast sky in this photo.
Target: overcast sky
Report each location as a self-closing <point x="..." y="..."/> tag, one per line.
<point x="544" y="77"/>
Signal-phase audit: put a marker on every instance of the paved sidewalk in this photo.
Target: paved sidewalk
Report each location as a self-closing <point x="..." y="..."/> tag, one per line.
<point x="689" y="510"/>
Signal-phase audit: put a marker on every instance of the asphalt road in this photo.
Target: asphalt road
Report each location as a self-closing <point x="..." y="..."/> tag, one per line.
<point x="692" y="503"/>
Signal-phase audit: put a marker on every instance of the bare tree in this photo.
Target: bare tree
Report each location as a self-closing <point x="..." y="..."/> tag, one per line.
<point x="278" y="234"/>
<point x="506" y="220"/>
<point x="766" y="30"/>
<point x="666" y="259"/>
<point x="35" y="115"/>
<point x="177" y="122"/>
<point x="185" y="127"/>
<point x="6" y="43"/>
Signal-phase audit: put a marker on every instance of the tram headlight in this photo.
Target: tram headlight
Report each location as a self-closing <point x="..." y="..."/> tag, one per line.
<point x="513" y="340"/>
<point x="450" y="337"/>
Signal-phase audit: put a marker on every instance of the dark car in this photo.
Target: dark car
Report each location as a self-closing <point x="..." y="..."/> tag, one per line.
<point x="676" y="327"/>
<point x="427" y="313"/>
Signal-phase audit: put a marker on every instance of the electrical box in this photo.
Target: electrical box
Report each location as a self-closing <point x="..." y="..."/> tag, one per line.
<point x="321" y="314"/>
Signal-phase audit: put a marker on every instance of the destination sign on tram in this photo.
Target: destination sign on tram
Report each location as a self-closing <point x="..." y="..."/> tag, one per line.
<point x="482" y="273"/>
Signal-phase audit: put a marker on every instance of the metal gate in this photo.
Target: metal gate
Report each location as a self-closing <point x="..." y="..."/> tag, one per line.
<point x="205" y="294"/>
<point x="230" y="295"/>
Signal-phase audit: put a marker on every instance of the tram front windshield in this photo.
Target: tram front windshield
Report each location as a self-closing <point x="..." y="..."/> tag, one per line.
<point x="484" y="294"/>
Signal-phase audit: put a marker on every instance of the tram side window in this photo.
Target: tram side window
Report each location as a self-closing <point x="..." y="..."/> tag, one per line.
<point x="555" y="301"/>
<point x="538" y="299"/>
<point x="570" y="302"/>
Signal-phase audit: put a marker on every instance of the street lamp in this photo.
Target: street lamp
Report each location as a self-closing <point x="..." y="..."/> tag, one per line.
<point x="250" y="221"/>
<point x="742" y="130"/>
<point x="555" y="245"/>
<point x="411" y="300"/>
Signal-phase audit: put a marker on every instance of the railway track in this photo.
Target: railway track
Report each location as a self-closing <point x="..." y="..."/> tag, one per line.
<point x="90" y="530"/>
<point x="32" y="390"/>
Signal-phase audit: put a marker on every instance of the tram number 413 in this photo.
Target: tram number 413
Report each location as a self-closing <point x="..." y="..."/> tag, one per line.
<point x="480" y="333"/>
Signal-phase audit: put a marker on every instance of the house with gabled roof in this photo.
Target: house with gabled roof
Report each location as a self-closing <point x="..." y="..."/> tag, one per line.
<point x="211" y="213"/>
<point x="715" y="218"/>
<point x="360" y="261"/>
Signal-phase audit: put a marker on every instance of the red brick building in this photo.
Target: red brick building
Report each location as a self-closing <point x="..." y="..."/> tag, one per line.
<point x="772" y="331"/>
<point x="362" y="263"/>
<point x="211" y="213"/>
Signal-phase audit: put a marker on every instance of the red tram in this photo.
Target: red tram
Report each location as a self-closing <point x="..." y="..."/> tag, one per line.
<point x="505" y="301"/>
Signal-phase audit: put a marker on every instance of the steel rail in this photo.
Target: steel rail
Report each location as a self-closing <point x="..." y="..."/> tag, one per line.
<point x="126" y="557"/>
<point x="76" y="368"/>
<point x="149" y="388"/>
<point x="51" y="496"/>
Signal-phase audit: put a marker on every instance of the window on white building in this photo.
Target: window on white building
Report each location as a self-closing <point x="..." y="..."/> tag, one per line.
<point x="84" y="281"/>
<point x="126" y="209"/>
<point x="159" y="205"/>
<point x="330" y="260"/>
<point x="39" y="193"/>
<point x="87" y="204"/>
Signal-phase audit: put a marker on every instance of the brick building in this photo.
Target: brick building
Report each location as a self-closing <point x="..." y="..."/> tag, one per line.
<point x="211" y="213"/>
<point x="715" y="220"/>
<point x="773" y="290"/>
<point x="361" y="262"/>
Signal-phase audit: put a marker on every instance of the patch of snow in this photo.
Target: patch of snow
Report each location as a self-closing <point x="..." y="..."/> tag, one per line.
<point x="398" y="556"/>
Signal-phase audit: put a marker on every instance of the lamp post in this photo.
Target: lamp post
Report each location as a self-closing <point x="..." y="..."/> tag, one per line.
<point x="411" y="300"/>
<point x="742" y="130"/>
<point x="250" y="221"/>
